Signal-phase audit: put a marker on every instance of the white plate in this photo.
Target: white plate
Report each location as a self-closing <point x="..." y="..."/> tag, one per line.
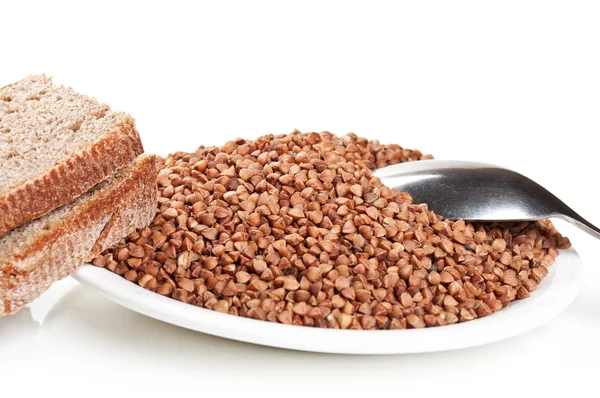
<point x="554" y="294"/>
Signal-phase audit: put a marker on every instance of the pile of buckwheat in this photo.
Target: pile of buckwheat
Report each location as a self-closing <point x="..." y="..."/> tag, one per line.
<point x="295" y="229"/>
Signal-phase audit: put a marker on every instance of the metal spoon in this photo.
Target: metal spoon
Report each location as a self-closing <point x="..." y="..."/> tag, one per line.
<point x="474" y="191"/>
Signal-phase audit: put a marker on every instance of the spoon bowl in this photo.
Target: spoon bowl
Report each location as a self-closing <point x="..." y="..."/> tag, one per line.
<point x="473" y="191"/>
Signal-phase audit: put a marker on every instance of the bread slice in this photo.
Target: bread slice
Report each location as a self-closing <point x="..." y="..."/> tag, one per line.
<point x="36" y="254"/>
<point x="56" y="144"/>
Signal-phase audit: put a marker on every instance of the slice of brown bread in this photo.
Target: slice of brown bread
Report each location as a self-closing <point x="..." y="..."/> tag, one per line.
<point x="55" y="144"/>
<point x="35" y="255"/>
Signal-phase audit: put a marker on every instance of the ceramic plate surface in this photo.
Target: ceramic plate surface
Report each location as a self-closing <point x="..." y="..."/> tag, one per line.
<point x="553" y="296"/>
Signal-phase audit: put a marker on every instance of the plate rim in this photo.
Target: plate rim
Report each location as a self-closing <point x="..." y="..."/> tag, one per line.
<point x="406" y="341"/>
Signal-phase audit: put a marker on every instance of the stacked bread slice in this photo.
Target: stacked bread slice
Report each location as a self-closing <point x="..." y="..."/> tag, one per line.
<point x="74" y="181"/>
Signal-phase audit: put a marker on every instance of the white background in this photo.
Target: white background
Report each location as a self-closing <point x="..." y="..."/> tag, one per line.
<point x="515" y="83"/>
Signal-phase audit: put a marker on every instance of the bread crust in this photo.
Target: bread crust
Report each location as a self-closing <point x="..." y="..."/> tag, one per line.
<point x="100" y="222"/>
<point x="72" y="177"/>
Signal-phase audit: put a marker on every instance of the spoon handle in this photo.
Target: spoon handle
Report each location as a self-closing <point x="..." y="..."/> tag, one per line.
<point x="573" y="218"/>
